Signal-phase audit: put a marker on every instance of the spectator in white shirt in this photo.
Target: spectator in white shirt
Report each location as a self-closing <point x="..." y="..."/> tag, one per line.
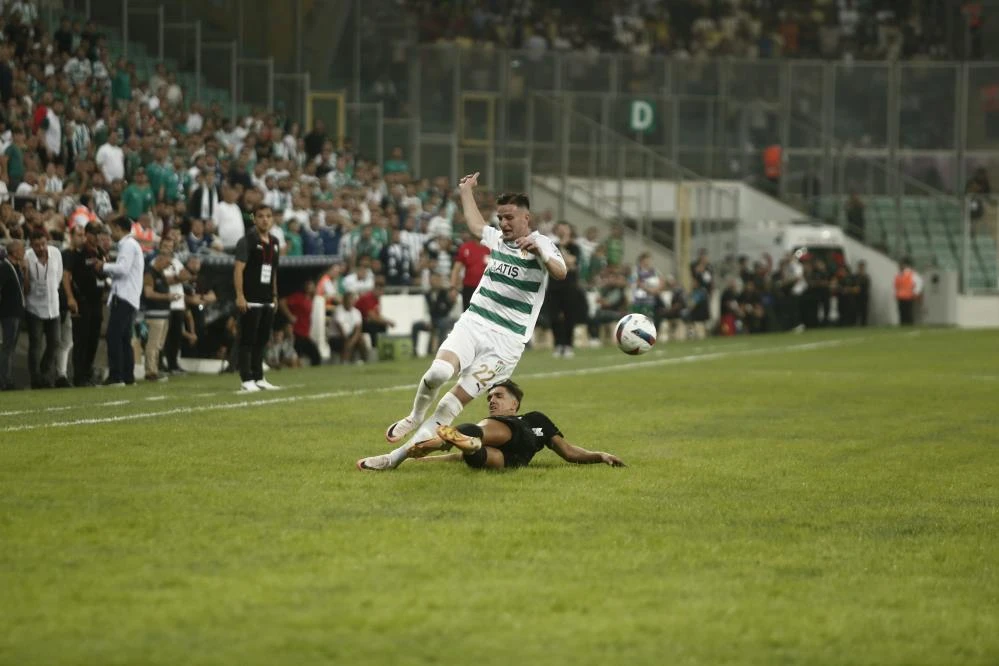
<point x="154" y="99"/>
<point x="279" y="150"/>
<point x="159" y="78"/>
<point x="413" y="238"/>
<point x="42" y="305"/>
<point x="26" y="9"/>
<point x="361" y="280"/>
<point x="229" y="219"/>
<point x="411" y="198"/>
<point x="346" y="336"/>
<point x="53" y="182"/>
<point x="29" y="187"/>
<point x="126" y="275"/>
<point x="439" y="225"/>
<point x="52" y="129"/>
<point x="195" y="121"/>
<point x="298" y="211"/>
<point x="110" y="159"/>
<point x="290" y="141"/>
<point x="78" y="68"/>
<point x="174" y="94"/>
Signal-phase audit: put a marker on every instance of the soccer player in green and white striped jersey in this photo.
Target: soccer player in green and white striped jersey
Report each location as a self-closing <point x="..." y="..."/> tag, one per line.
<point x="488" y="340"/>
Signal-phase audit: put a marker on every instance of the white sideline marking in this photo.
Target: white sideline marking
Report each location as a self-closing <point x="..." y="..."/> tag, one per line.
<point x="409" y="387"/>
<point x="47" y="409"/>
<point x="118" y="403"/>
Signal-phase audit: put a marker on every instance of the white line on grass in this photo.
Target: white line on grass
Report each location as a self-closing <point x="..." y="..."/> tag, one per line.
<point x="118" y="403"/>
<point x="29" y="411"/>
<point x="408" y="387"/>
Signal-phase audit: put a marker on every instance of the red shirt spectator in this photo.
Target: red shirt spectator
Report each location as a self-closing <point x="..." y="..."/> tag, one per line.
<point x="473" y="255"/>
<point x="41" y="111"/>
<point x="300" y="306"/>
<point x="367" y="303"/>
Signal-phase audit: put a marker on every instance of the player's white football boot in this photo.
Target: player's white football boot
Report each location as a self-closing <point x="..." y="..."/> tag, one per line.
<point x="266" y="385"/>
<point x="375" y="463"/>
<point x="461" y="441"/>
<point x="249" y="387"/>
<point x="400" y="429"/>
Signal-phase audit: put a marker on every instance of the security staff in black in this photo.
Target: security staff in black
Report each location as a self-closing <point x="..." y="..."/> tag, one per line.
<point x="255" y="279"/>
<point x="84" y="289"/>
<point x="505" y="439"/>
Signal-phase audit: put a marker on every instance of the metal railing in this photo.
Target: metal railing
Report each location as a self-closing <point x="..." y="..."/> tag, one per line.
<point x="585" y="156"/>
<point x="243" y="81"/>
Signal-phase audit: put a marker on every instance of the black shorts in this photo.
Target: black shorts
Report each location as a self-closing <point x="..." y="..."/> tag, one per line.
<point x="521" y="447"/>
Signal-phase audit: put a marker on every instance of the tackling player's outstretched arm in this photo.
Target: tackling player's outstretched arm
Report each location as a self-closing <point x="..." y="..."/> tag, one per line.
<point x="579" y="455"/>
<point x="473" y="218"/>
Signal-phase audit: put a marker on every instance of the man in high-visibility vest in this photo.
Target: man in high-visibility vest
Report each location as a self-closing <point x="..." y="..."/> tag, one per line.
<point x="773" y="164"/>
<point x="908" y="290"/>
<point x="82" y="215"/>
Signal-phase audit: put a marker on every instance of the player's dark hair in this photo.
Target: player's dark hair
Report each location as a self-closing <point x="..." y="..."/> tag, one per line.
<point x="518" y="199"/>
<point x="121" y="222"/>
<point x="38" y="234"/>
<point x="512" y="387"/>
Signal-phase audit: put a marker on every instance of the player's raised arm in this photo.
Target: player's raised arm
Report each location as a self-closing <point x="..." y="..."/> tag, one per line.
<point x="473" y="218"/>
<point x="579" y="455"/>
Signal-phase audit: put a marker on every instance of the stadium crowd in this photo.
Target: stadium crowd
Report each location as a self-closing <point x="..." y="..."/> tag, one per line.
<point x="735" y="297"/>
<point x="88" y="148"/>
<point x="862" y="29"/>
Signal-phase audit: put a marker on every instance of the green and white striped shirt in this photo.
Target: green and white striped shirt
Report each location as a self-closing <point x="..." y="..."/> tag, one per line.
<point x="512" y="290"/>
<point x="80" y="140"/>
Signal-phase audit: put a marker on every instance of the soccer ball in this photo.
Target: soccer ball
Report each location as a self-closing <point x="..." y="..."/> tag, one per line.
<point x="635" y="333"/>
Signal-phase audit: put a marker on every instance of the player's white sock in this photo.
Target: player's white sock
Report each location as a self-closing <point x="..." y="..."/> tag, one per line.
<point x="435" y="376"/>
<point x="447" y="411"/>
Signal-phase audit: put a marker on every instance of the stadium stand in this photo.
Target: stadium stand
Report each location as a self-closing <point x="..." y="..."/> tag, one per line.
<point x="865" y="29"/>
<point x="83" y="124"/>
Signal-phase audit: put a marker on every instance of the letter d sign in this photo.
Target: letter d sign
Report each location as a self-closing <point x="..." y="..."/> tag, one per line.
<point x="642" y="116"/>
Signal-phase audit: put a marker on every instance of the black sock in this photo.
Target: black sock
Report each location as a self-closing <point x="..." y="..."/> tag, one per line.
<point x="476" y="460"/>
<point x="470" y="429"/>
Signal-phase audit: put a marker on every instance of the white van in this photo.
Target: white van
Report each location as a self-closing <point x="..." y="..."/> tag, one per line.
<point x="806" y="240"/>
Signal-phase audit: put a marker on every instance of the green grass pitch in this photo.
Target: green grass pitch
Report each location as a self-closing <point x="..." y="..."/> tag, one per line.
<point x="830" y="498"/>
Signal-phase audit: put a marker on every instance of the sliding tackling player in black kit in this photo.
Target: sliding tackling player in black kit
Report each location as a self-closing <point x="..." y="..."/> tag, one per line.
<point x="505" y="439"/>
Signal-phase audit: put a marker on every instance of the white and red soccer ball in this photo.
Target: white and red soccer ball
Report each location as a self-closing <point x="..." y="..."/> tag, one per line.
<point x="635" y="334"/>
